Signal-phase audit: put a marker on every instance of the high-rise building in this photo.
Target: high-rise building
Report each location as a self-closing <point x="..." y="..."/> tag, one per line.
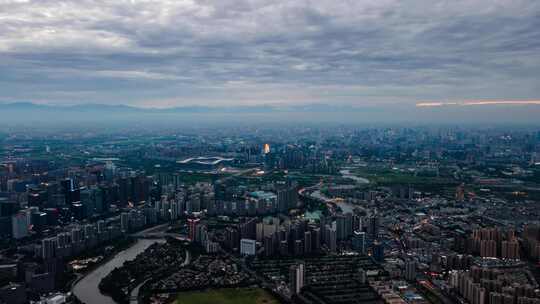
<point x="330" y="238"/>
<point x="48" y="248"/>
<point x="287" y="197"/>
<point x="510" y="249"/>
<point x="283" y="248"/>
<point x="268" y="244"/>
<point x="488" y="248"/>
<point x="296" y="278"/>
<point x="232" y="238"/>
<point x="77" y="235"/>
<point x="359" y="242"/>
<point x="19" y="224"/>
<point x="307" y="242"/>
<point x="373" y="227"/>
<point x="362" y="276"/>
<point x="87" y="199"/>
<point x="124" y="221"/>
<point x="192" y="228"/>
<point x="247" y="247"/>
<point x="378" y="251"/>
<point x="101" y="226"/>
<point x="174" y="211"/>
<point x="341" y="227"/>
<point x="460" y="193"/>
<point x="298" y="247"/>
<point x="316" y="239"/>
<point x="410" y="270"/>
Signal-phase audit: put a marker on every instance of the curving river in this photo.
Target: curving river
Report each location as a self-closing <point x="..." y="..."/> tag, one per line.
<point x="346" y="173"/>
<point x="87" y="290"/>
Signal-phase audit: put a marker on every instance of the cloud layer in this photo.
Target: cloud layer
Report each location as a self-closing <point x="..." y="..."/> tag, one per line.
<point x="183" y="52"/>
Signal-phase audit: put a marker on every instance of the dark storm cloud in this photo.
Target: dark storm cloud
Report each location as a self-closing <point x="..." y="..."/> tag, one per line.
<point x="166" y="53"/>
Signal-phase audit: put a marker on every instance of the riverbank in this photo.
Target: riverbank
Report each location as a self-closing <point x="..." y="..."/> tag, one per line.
<point x="86" y="289"/>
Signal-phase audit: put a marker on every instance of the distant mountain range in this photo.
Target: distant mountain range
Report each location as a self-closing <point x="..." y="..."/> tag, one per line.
<point x="100" y="114"/>
<point x="125" y="109"/>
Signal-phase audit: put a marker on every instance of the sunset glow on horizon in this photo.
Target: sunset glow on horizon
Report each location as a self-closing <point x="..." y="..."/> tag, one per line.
<point x="479" y="103"/>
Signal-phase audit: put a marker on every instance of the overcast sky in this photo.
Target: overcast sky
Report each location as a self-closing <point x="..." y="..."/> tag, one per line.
<point x="228" y="52"/>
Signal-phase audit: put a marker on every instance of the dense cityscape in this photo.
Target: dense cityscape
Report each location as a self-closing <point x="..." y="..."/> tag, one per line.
<point x="282" y="215"/>
<point x="269" y="152"/>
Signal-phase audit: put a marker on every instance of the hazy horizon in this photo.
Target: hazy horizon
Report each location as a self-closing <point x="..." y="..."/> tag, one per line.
<point x="91" y="115"/>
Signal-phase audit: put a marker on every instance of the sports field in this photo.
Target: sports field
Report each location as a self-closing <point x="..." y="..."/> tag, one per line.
<point x="227" y="296"/>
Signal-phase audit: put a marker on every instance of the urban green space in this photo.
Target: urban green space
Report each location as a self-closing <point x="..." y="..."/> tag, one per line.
<point x="227" y="296"/>
<point x="385" y="176"/>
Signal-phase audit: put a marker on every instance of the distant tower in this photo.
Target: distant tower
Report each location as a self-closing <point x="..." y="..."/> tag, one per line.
<point x="266" y="149"/>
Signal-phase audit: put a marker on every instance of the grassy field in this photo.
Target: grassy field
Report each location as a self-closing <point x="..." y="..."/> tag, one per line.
<point x="387" y="176"/>
<point x="227" y="296"/>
